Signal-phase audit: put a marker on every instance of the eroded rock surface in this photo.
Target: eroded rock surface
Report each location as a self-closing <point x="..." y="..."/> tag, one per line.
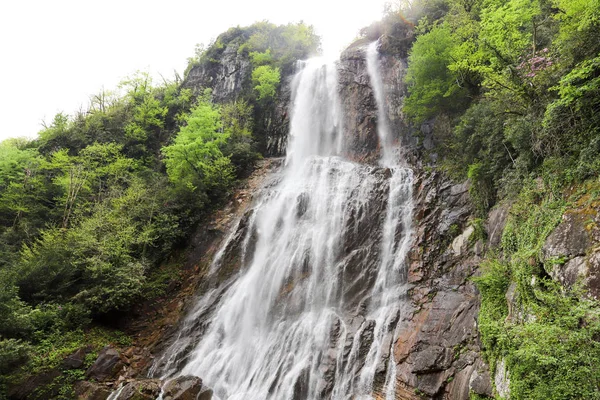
<point x="230" y="78"/>
<point x="437" y="352"/>
<point x="572" y="253"/>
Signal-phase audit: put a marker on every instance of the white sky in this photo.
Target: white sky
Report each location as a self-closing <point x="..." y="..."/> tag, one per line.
<point x="54" y="54"/>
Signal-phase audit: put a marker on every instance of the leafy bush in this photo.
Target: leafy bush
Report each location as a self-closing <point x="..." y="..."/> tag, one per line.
<point x="266" y="80"/>
<point x="431" y="84"/>
<point x="13" y="353"/>
<point x="549" y="339"/>
<point x="195" y="159"/>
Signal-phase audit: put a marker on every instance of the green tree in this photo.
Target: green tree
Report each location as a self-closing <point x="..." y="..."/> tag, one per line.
<point x="195" y="159"/>
<point x="432" y="86"/>
<point x="266" y="80"/>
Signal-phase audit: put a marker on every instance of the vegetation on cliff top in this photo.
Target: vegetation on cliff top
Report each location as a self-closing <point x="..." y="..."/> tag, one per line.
<point x="518" y="84"/>
<point x="91" y="208"/>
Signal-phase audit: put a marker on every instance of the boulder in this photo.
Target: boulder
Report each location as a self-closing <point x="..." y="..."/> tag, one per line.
<point x="461" y="242"/>
<point x="481" y="383"/>
<point x="85" y="390"/>
<point x="143" y="389"/>
<point x="75" y="360"/>
<point x="569" y="239"/>
<point x="183" y="388"/>
<point x="502" y="380"/>
<point x="496" y="223"/>
<point x="569" y="254"/>
<point x="107" y="365"/>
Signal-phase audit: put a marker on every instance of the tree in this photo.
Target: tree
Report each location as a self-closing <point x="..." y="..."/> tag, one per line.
<point x="194" y="159"/>
<point x="432" y="86"/>
<point x="266" y="80"/>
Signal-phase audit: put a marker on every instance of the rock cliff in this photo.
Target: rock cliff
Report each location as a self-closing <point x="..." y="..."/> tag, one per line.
<point x="230" y="78"/>
<point x="437" y="352"/>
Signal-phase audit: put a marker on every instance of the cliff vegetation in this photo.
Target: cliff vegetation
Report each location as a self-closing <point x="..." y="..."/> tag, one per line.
<point x="92" y="210"/>
<point x="513" y="88"/>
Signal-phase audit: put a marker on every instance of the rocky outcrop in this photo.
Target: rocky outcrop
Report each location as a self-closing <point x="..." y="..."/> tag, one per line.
<point x="86" y="390"/>
<point x="358" y="101"/>
<point x="358" y="106"/>
<point x="437" y="352"/>
<point x="76" y="359"/>
<point x="230" y="78"/>
<point x="186" y="388"/>
<point x="107" y="366"/>
<point x="177" y="317"/>
<point x="42" y="386"/>
<point x="571" y="252"/>
<point x="143" y="389"/>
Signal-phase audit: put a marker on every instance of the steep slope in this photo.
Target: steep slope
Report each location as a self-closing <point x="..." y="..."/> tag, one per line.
<point x="434" y="342"/>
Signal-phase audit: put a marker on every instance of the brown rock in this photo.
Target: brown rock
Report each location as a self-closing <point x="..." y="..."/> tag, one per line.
<point x="496" y="222"/>
<point x="107" y="365"/>
<point x="143" y="389"/>
<point x="85" y="390"/>
<point x="76" y="359"/>
<point x="569" y="239"/>
<point x="182" y="388"/>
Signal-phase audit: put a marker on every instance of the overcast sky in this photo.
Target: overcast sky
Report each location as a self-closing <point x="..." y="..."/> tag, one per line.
<point x="54" y="54"/>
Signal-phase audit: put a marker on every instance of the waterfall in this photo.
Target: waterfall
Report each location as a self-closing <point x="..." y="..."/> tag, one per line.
<point x="383" y="129"/>
<point x="314" y="309"/>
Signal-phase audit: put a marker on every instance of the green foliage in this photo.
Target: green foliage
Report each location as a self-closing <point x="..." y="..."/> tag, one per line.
<point x="493" y="284"/>
<point x="90" y="211"/>
<point x="571" y="123"/>
<point x="280" y="45"/>
<point x="579" y="29"/>
<point x="557" y="355"/>
<point x="194" y="159"/>
<point x="13" y="353"/>
<point x="518" y="82"/>
<point x="240" y="148"/>
<point x="549" y="338"/>
<point x="431" y="84"/>
<point x="264" y="58"/>
<point x="266" y="80"/>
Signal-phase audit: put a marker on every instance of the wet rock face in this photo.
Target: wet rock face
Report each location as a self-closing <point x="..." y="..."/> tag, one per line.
<point x="359" y="106"/>
<point x="437" y="351"/>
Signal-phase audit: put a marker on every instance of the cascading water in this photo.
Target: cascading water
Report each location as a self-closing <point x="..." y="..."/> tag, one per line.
<point x="313" y="311"/>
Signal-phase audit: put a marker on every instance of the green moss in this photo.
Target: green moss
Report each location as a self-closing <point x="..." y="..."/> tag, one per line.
<point x="479" y="232"/>
<point x="50" y="351"/>
<point x="475" y="396"/>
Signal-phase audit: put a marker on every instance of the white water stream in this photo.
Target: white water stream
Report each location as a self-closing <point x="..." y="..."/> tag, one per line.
<point x="314" y="310"/>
